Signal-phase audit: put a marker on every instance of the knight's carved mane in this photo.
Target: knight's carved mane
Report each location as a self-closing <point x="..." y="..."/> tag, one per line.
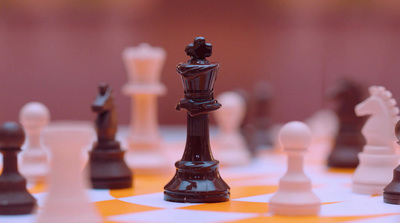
<point x="387" y="98"/>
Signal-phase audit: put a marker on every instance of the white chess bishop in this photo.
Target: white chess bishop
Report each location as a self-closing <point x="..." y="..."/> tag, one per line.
<point x="34" y="116"/>
<point x="295" y="196"/>
<point x="231" y="148"/>
<point x="144" y="64"/>
<point x="379" y="156"/>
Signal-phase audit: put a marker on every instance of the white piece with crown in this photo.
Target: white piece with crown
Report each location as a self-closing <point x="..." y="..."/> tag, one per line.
<point x="379" y="157"/>
<point x="231" y="148"/>
<point x="295" y="196"/>
<point x="144" y="64"/>
<point x="34" y="165"/>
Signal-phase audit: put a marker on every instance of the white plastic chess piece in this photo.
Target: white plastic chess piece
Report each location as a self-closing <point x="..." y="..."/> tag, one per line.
<point x="34" y="116"/>
<point x="378" y="158"/>
<point x="295" y="195"/>
<point x="67" y="200"/>
<point x="144" y="64"/>
<point x="231" y="148"/>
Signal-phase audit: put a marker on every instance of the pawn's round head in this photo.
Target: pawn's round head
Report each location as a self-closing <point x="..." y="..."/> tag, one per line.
<point x="295" y="135"/>
<point x="11" y="135"/>
<point x="34" y="114"/>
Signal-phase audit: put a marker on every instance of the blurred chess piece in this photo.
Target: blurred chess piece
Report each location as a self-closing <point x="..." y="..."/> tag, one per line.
<point x="67" y="199"/>
<point x="349" y="141"/>
<point x="14" y="198"/>
<point x="261" y="137"/>
<point x="34" y="165"/>
<point x="231" y="148"/>
<point x="391" y="193"/>
<point x="295" y="195"/>
<point x="144" y="64"/>
<point x="379" y="156"/>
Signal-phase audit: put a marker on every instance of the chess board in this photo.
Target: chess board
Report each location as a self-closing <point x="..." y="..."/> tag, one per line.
<point x="251" y="188"/>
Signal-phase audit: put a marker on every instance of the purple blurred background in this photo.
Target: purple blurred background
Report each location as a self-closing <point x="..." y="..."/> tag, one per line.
<point x="56" y="52"/>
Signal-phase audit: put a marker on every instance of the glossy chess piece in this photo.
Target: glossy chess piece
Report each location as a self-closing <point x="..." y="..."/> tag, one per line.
<point x="391" y="193"/>
<point x="295" y="195"/>
<point x="107" y="167"/>
<point x="349" y="141"/>
<point x="197" y="178"/>
<point x="14" y="197"/>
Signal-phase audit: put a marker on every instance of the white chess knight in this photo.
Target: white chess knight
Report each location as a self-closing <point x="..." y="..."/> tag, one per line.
<point x="34" y="116"/>
<point x="295" y="195"/>
<point x="379" y="157"/>
<point x="231" y="148"/>
<point x="67" y="200"/>
<point x="144" y="64"/>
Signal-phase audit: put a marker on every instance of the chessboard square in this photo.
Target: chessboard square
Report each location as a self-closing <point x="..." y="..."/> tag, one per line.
<point x="35" y="188"/>
<point x="269" y="218"/>
<point x="143" y="184"/>
<point x="117" y="207"/>
<point x="155" y="200"/>
<point x="232" y="206"/>
<point x="337" y="194"/>
<point x="99" y="195"/>
<point x="240" y="192"/>
<point x="29" y="218"/>
<point x="40" y="198"/>
<point x="390" y="218"/>
<point x="181" y="216"/>
<point x="367" y="206"/>
<point x="259" y="198"/>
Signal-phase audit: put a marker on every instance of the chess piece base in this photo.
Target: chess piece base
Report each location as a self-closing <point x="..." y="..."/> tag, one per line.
<point x="374" y="172"/>
<point x="197" y="182"/>
<point x="17" y="209"/>
<point x="344" y="157"/>
<point x="119" y="183"/>
<point x="391" y="198"/>
<point x="295" y="210"/>
<point x="371" y="189"/>
<point x="14" y="198"/>
<point x="108" y="170"/>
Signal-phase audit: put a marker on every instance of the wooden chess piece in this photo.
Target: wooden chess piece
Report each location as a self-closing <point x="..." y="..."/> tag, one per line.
<point x="107" y="167"/>
<point x="295" y="195"/>
<point x="261" y="137"/>
<point x="34" y="165"/>
<point x="349" y="141"/>
<point x="144" y="64"/>
<point x="14" y="198"/>
<point x="379" y="156"/>
<point x="197" y="178"/>
<point x="391" y="193"/>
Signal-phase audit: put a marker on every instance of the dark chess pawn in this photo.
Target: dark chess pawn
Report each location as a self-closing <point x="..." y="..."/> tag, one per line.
<point x="261" y="137"/>
<point x="197" y="178"/>
<point x="391" y="193"/>
<point x="107" y="167"/>
<point x="349" y="140"/>
<point x="14" y="198"/>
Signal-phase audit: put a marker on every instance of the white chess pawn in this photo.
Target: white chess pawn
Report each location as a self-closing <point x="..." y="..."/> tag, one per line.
<point x="144" y="64"/>
<point x="295" y="195"/>
<point x="67" y="200"/>
<point x="231" y="148"/>
<point x="34" y="116"/>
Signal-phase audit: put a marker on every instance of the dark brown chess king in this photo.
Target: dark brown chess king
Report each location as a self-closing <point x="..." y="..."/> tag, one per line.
<point x="197" y="178"/>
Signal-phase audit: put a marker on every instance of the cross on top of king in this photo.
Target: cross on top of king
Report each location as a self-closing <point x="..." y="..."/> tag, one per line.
<point x="199" y="49"/>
